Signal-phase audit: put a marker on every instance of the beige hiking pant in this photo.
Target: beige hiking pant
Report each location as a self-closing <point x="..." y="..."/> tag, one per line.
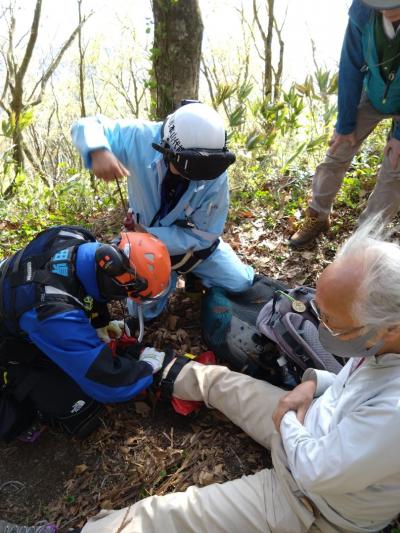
<point x="329" y="175"/>
<point x="263" y="502"/>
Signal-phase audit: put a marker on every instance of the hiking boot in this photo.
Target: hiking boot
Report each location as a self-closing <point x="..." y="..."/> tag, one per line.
<point x="41" y="527"/>
<point x="309" y="228"/>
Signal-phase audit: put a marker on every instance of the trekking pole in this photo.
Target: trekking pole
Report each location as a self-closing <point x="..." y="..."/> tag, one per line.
<point x="121" y="196"/>
<point x="129" y="223"/>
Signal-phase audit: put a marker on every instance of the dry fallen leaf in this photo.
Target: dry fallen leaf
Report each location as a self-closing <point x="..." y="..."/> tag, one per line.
<point x="206" y="478"/>
<point x="308" y="255"/>
<point x="79" y="469"/>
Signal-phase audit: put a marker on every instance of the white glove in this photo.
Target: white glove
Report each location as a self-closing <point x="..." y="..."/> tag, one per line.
<point x="153" y="358"/>
<point x="115" y="328"/>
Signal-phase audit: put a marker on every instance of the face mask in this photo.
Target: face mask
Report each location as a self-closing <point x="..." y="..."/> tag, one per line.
<point x="349" y="348"/>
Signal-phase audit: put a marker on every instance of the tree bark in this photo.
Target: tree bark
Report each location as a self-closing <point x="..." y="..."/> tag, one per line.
<point x="13" y="98"/>
<point x="272" y="77"/>
<point x="81" y="62"/>
<point x="178" y="34"/>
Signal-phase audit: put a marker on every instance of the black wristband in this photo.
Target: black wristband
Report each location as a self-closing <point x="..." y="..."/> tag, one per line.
<point x="167" y="383"/>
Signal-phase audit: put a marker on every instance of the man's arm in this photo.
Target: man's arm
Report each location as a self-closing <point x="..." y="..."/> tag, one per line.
<point x="69" y="340"/>
<point x="314" y="383"/>
<point x="351" y="80"/>
<point x="297" y="400"/>
<point x="344" y="460"/>
<point x="322" y="379"/>
<point x="95" y="135"/>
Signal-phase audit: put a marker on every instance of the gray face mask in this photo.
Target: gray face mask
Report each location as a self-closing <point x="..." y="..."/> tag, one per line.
<point x="349" y="348"/>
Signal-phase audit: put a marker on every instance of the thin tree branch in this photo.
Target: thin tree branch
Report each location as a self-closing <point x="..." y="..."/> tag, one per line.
<point x="53" y="65"/>
<point x="31" y="43"/>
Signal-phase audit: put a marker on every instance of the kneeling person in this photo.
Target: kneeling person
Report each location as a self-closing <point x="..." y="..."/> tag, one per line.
<point x="54" y="295"/>
<point x="177" y="184"/>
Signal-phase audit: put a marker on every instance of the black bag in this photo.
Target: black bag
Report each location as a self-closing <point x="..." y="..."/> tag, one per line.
<point x="15" y="417"/>
<point x="17" y="378"/>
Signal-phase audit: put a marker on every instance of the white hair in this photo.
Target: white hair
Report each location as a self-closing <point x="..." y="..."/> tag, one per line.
<point x="378" y="301"/>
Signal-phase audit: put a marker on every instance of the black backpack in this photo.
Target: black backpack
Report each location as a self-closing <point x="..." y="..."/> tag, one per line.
<point x="19" y="371"/>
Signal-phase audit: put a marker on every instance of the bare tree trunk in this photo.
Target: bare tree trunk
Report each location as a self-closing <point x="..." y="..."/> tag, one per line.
<point x="82" y="52"/>
<point x="16" y="104"/>
<point x="279" y="69"/>
<point x="272" y="77"/>
<point x="13" y="98"/>
<point x="81" y="62"/>
<point x="178" y="34"/>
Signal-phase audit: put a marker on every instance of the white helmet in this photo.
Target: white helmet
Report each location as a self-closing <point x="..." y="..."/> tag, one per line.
<point x="194" y="126"/>
<point x="194" y="141"/>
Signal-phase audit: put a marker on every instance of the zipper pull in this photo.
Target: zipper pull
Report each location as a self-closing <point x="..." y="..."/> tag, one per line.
<point x="389" y="82"/>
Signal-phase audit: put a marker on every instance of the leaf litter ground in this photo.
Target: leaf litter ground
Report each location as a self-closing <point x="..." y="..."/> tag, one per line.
<point x="144" y="448"/>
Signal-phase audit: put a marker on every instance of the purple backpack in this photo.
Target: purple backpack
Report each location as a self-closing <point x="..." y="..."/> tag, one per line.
<point x="288" y="320"/>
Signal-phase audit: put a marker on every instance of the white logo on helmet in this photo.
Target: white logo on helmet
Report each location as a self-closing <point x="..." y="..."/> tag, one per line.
<point x="173" y="139"/>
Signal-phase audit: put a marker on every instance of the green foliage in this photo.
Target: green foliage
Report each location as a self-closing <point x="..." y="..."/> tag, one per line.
<point x="35" y="207"/>
<point x="279" y="144"/>
<point x="8" y="125"/>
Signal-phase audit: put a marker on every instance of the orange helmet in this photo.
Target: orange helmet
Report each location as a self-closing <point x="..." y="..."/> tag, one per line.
<point x="139" y="265"/>
<point x="149" y="260"/>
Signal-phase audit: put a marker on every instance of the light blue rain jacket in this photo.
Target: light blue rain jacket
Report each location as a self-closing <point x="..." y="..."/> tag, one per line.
<point x="205" y="203"/>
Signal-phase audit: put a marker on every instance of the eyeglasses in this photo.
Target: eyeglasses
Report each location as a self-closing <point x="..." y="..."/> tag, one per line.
<point x="334" y="333"/>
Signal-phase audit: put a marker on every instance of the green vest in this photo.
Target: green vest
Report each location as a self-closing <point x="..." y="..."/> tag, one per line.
<point x="388" y="50"/>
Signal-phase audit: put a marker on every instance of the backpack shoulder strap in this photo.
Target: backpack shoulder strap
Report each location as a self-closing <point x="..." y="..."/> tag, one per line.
<point x="289" y="321"/>
<point x="48" y="260"/>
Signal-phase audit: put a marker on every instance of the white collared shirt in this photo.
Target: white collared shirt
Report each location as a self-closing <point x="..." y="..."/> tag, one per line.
<point x="346" y="456"/>
<point x="389" y="29"/>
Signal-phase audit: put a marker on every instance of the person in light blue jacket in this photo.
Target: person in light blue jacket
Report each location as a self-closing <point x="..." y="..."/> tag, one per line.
<point x="368" y="92"/>
<point x="177" y="186"/>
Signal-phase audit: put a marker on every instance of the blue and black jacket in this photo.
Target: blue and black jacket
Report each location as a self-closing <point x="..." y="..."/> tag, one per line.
<point x="359" y="70"/>
<point x="47" y="292"/>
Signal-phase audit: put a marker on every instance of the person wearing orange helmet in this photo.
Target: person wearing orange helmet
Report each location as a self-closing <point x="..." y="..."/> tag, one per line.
<point x="54" y="365"/>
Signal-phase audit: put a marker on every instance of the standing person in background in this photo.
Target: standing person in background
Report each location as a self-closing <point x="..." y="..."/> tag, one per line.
<point x="177" y="186"/>
<point x="369" y="91"/>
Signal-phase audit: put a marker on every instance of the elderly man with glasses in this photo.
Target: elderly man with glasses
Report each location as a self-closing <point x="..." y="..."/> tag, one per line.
<point x="336" y="465"/>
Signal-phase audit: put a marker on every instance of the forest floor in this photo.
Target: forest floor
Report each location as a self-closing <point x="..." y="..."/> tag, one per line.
<point x="143" y="449"/>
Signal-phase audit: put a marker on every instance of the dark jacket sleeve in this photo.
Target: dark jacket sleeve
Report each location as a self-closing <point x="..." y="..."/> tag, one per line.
<point x="351" y="76"/>
<point x="69" y="340"/>
<point x="396" y="130"/>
